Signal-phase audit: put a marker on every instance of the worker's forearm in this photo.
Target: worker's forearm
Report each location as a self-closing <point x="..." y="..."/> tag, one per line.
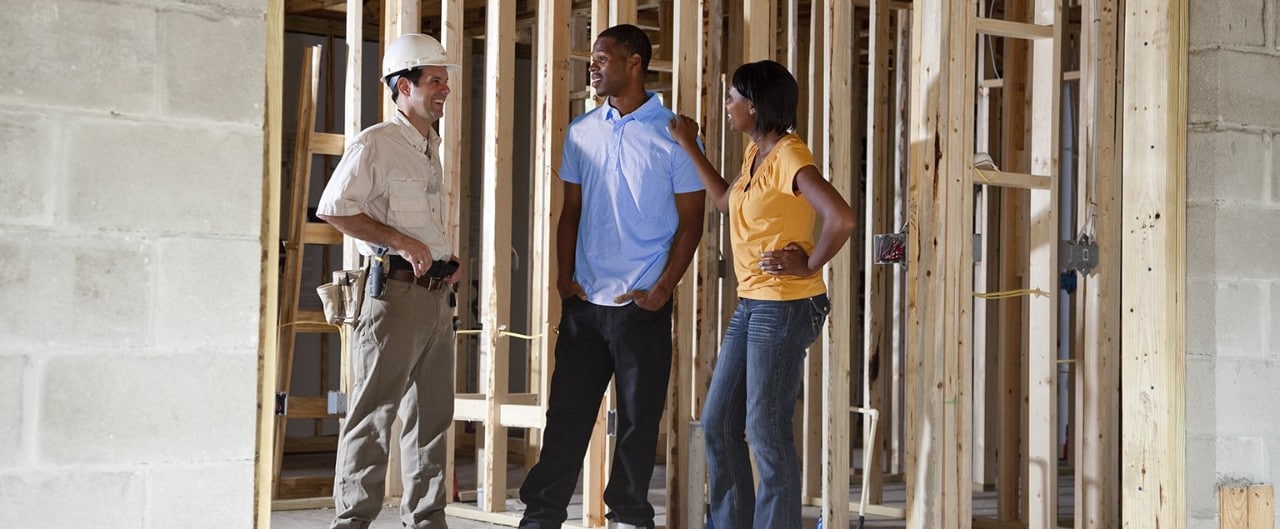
<point x="363" y="227"/>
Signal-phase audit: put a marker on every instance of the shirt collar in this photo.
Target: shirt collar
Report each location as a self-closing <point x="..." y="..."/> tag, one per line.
<point x="611" y="113"/>
<point x="428" y="144"/>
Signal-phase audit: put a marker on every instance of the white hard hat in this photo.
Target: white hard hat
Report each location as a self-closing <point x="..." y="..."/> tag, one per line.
<point x="412" y="50"/>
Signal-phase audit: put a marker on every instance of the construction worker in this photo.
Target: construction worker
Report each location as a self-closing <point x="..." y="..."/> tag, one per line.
<point x="631" y="220"/>
<point x="388" y="193"/>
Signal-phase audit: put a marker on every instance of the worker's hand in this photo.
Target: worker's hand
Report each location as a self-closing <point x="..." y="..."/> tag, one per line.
<point x="457" y="273"/>
<point x="790" y="260"/>
<point x="651" y="300"/>
<point x="684" y="130"/>
<point x="417" y="254"/>
<point x="569" y="288"/>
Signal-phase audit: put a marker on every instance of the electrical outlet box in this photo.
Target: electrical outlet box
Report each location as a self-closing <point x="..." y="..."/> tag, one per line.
<point x="890" y="248"/>
<point x="1079" y="255"/>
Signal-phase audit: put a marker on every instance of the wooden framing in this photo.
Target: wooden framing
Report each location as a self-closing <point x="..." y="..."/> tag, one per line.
<point x="552" y="72"/>
<point x="1246" y="507"/>
<point x="1012" y="313"/>
<point x="686" y="389"/>
<point x="838" y="166"/>
<point x="1042" y="384"/>
<point x="812" y="435"/>
<point x="759" y="24"/>
<point x="939" y="359"/>
<point x="1153" y="451"/>
<point x="1097" y="416"/>
<point x="937" y="366"/>
<point x="879" y="201"/>
<point x="269" y="275"/>
<point x="453" y="159"/>
<point x="495" y="239"/>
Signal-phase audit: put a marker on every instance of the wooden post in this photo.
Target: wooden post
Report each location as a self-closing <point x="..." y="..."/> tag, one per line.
<point x="939" y="350"/>
<point x="1042" y="425"/>
<point x="811" y="446"/>
<point x="495" y="270"/>
<point x="878" y="213"/>
<point x="1013" y="261"/>
<point x="269" y="294"/>
<point x="1153" y="293"/>
<point x="595" y="465"/>
<point x="759" y="20"/>
<point x="714" y="289"/>
<point x="1097" y="419"/>
<point x="398" y="17"/>
<point x="711" y="285"/>
<point x="554" y="27"/>
<point x="452" y="159"/>
<point x="791" y="32"/>
<point x="351" y="112"/>
<point x="621" y="12"/>
<point x="895" y="441"/>
<point x="985" y="272"/>
<point x="838" y="168"/>
<point x="680" y="400"/>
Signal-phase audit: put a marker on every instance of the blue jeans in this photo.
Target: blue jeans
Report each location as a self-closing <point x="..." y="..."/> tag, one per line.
<point x="752" y="397"/>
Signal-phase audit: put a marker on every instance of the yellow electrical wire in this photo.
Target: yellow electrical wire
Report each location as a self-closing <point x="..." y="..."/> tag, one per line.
<point x="1005" y="295"/>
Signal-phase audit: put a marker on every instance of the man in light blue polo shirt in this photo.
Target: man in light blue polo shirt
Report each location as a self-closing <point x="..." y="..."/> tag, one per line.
<point x="631" y="221"/>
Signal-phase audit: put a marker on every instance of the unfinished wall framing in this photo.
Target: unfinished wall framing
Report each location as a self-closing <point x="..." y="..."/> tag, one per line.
<point x="898" y="97"/>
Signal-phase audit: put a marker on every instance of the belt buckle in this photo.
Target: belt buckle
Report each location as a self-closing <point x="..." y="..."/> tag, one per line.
<point x="434" y="283"/>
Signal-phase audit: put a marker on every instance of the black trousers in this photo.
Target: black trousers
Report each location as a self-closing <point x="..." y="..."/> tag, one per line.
<point x="597" y="343"/>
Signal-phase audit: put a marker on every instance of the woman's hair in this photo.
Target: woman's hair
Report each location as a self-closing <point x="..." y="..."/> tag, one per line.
<point x="773" y="91"/>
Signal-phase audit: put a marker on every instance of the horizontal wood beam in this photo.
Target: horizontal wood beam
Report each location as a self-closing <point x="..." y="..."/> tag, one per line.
<point x="328" y="143"/>
<point x="1017" y="30"/>
<point x="320" y="233"/>
<point x="308" y="408"/>
<point x="998" y="82"/>
<point x="1006" y="179"/>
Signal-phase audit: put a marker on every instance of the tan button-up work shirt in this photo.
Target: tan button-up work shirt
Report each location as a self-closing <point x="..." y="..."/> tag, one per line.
<point x="392" y="173"/>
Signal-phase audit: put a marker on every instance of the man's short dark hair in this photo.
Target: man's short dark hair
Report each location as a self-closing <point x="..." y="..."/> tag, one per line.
<point x="412" y="74"/>
<point x="633" y="39"/>
<point x="773" y="91"/>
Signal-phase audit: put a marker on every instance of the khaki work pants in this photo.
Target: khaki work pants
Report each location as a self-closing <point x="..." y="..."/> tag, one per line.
<point x="402" y="361"/>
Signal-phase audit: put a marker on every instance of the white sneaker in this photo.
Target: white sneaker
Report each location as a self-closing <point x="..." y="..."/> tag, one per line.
<point x="620" y="525"/>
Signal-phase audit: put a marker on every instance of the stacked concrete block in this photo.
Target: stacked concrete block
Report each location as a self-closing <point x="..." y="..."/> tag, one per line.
<point x="130" y="261"/>
<point x="1233" y="251"/>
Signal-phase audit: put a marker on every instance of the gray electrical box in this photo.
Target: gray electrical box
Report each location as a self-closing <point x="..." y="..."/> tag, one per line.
<point x="1081" y="255"/>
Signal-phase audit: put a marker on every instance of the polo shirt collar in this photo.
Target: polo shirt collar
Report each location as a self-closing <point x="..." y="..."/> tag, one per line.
<point x="611" y="113"/>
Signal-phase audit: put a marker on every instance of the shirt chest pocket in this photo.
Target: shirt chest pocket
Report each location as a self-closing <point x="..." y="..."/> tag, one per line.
<point x="407" y="203"/>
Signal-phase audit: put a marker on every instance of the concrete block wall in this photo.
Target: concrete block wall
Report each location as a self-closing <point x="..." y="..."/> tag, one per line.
<point x="131" y="177"/>
<point x="1233" y="251"/>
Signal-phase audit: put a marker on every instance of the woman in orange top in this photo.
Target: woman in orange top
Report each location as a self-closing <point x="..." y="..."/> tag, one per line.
<point x="772" y="206"/>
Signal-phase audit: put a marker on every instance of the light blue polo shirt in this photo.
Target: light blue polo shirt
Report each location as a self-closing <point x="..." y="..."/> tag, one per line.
<point x="630" y="169"/>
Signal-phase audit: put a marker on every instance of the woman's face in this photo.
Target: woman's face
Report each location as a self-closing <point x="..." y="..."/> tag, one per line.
<point x="739" y="111"/>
